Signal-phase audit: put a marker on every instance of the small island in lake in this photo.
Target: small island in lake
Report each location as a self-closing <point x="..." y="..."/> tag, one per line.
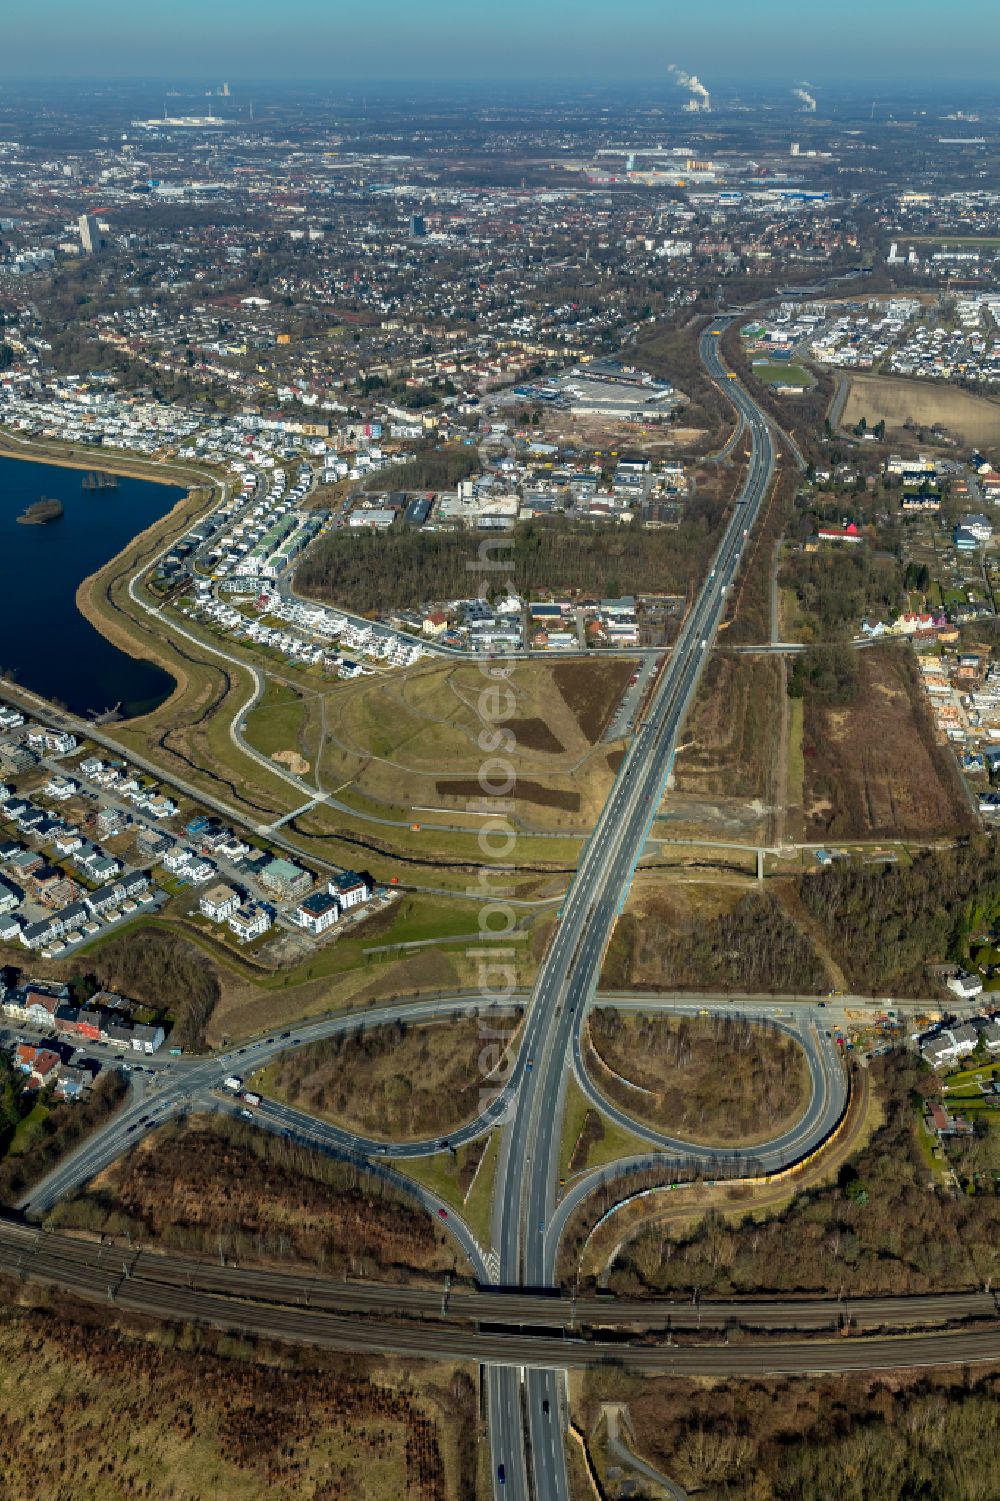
<point x="41" y="513"/>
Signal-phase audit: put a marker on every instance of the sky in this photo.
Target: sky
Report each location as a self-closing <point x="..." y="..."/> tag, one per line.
<point x="725" y="42"/>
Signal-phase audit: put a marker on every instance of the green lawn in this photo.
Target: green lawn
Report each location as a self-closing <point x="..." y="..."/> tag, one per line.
<point x="415" y="916"/>
<point x="29" y="1128"/>
<point x="418" y="918"/>
<point x="782" y="375"/>
<point x="965" y="1076"/>
<point x="796" y="756"/>
<point x="278" y="720"/>
<point x="615" y="1143"/>
<point x="440" y="1174"/>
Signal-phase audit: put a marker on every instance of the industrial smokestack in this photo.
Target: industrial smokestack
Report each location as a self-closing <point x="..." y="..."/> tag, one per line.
<point x="808" y="101"/>
<point x="700" y="101"/>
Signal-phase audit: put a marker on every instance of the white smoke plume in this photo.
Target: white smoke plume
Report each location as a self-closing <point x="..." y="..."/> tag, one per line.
<point x="803" y="93"/>
<point x="700" y="100"/>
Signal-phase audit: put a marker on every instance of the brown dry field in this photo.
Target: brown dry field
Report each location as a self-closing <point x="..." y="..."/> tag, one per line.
<point x="707" y="1079"/>
<point x="524" y="790"/>
<point x="973" y="419"/>
<point x="874" y="768"/>
<point x="592" y="688"/>
<point x="121" y="1407"/>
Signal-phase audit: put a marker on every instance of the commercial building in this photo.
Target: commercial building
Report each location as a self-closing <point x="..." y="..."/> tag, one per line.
<point x="90" y="235"/>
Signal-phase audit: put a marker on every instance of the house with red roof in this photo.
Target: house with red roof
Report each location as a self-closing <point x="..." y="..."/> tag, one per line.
<point x="848" y="533"/>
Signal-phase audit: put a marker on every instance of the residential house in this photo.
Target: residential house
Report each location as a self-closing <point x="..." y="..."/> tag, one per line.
<point x="219" y="902"/>
<point x="317" y="912"/>
<point x="965" y="985"/>
<point x="285" y="878"/>
<point x="350" y="889"/>
<point x="948" y="1045"/>
<point x="40" y="1064"/>
<point x="251" y="921"/>
<point x="943" y="1123"/>
<point x="72" y="1083"/>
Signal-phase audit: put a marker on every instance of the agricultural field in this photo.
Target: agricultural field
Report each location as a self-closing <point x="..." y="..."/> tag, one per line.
<point x="119" y="1409"/>
<point x="397" y="1081"/>
<point x="718" y="1080"/>
<point x="214" y="1185"/>
<point x="873" y="767"/>
<point x="902" y="404"/>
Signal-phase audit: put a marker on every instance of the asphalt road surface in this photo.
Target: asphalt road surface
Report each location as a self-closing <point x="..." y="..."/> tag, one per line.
<point x="527" y="1173"/>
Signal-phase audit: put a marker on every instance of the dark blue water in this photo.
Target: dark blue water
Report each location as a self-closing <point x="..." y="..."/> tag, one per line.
<point x="45" y="643"/>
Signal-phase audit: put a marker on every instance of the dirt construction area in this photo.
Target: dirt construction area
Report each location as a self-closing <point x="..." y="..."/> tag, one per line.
<point x="874" y="768"/>
<point x="921" y="404"/>
<point x="731" y="739"/>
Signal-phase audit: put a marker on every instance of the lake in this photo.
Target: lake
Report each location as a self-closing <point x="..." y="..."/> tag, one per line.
<point x="45" y="643"/>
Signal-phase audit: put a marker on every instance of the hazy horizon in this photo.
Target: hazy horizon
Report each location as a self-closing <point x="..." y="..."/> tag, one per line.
<point x="581" y="42"/>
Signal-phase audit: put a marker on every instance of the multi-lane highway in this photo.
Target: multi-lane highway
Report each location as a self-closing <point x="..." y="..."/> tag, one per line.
<point x="526" y="1389"/>
<point x="527" y="1175"/>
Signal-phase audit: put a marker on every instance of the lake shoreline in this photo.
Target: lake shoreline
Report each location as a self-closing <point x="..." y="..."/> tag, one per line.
<point x="76" y="659"/>
<point x="157" y="474"/>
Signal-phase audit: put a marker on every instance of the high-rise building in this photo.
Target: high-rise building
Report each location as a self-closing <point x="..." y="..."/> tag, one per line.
<point x="418" y="228"/>
<point x="90" y="235"/>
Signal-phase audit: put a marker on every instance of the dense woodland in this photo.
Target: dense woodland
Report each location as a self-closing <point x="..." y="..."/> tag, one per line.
<point x="221" y="1188"/>
<point x="829" y="674"/>
<point x="166" y="974"/>
<point x="407" y="568"/>
<point x="718" y="1078"/>
<point x="435" y="469"/>
<point x="837" y="587"/>
<point x="904" y="1437"/>
<point x="28" y="1154"/>
<point x="755" y="947"/>
<point x="879" y="1230"/>
<point x="393" y="1080"/>
<point x="885" y="923"/>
